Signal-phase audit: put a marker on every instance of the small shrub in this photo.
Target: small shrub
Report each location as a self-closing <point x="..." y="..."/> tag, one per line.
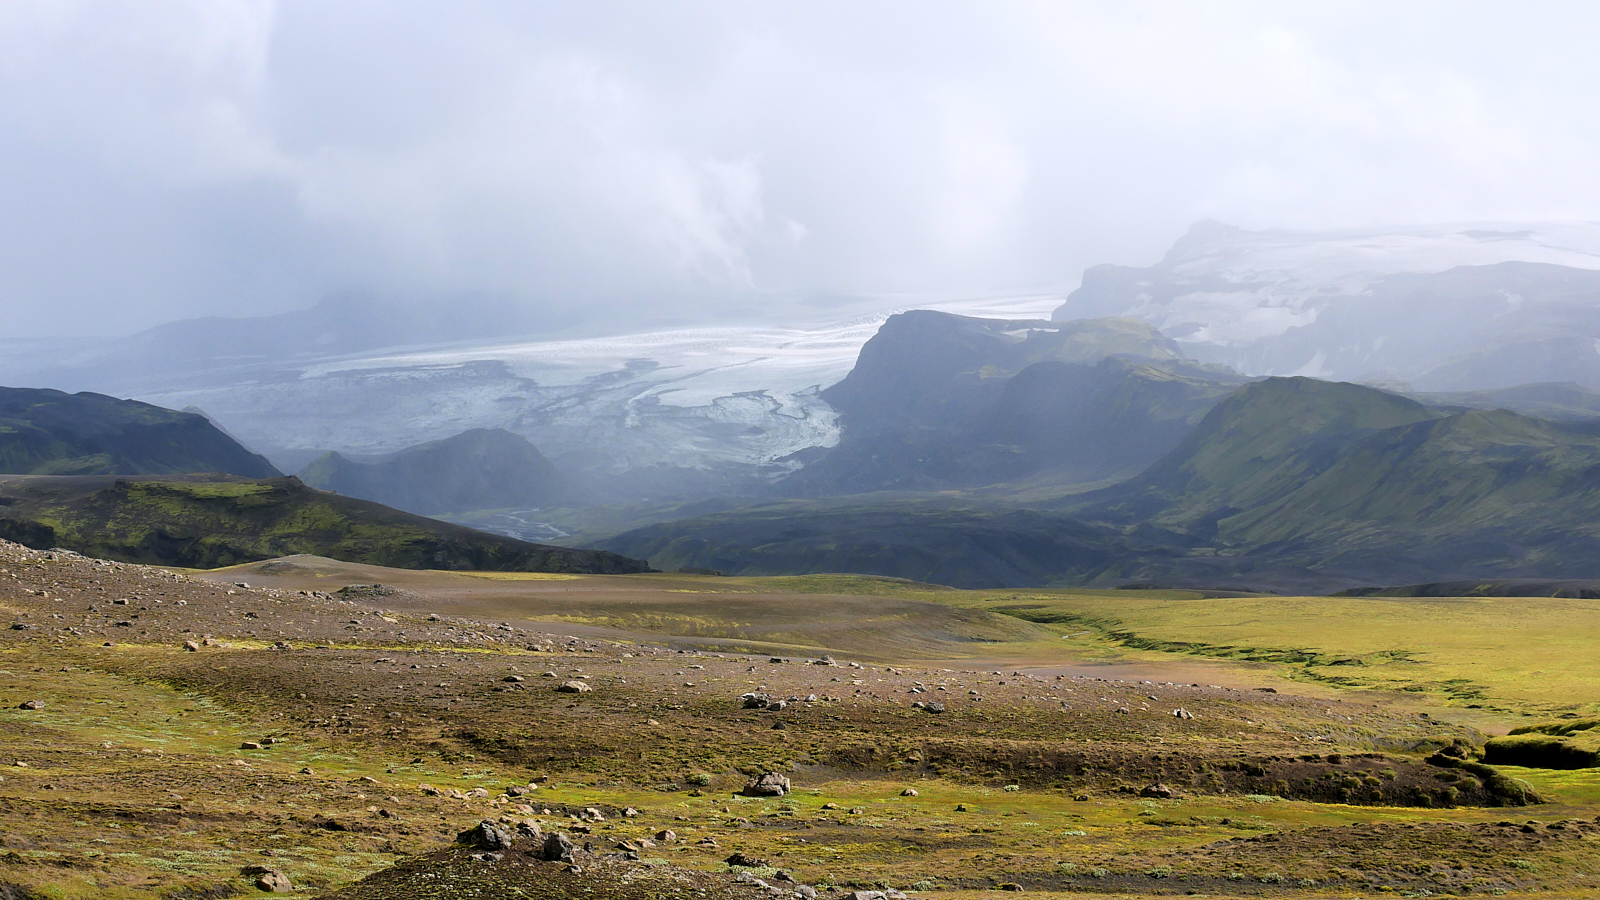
<point x="1272" y="878"/>
<point x="1099" y="872"/>
<point x="1159" y="872"/>
<point x="698" y="779"/>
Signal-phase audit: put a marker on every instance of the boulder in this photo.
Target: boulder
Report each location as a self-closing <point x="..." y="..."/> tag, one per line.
<point x="486" y="835"/>
<point x="1158" y="791"/>
<point x="270" y="880"/>
<point x="573" y="687"/>
<point x="558" y="848"/>
<point x="769" y="784"/>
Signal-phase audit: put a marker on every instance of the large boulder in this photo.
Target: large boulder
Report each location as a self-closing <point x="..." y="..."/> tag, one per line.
<point x="769" y="784"/>
<point x="486" y="835"/>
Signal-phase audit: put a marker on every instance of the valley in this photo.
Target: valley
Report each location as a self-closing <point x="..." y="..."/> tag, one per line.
<point x="878" y="603"/>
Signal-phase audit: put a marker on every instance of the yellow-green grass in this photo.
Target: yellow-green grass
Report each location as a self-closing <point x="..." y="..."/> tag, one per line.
<point x="1518" y="656"/>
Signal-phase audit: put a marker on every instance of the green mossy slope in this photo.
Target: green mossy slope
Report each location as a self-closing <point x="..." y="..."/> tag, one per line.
<point x="199" y="523"/>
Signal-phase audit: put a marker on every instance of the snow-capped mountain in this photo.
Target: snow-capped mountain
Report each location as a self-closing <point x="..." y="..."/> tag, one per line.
<point x="1444" y="307"/>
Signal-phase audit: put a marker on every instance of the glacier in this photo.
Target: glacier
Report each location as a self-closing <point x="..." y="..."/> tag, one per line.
<point x="689" y="398"/>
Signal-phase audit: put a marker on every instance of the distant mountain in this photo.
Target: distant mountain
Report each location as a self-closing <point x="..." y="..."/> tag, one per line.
<point x="938" y="401"/>
<point x="1288" y="484"/>
<point x="206" y="522"/>
<point x="47" y="432"/>
<point x="1557" y="401"/>
<point x="1444" y="308"/>
<point x="1262" y="443"/>
<point x="338" y="325"/>
<point x="1354" y="485"/>
<point x="484" y="468"/>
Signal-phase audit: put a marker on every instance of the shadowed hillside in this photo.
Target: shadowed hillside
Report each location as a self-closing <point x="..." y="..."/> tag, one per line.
<point x="485" y="468"/>
<point x="46" y="432"/>
<point x="199" y="523"/>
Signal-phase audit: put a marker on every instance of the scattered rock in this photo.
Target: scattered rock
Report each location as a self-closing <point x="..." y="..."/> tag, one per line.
<point x="267" y="879"/>
<point x="31" y="704"/>
<point x="513" y="679"/>
<point x="1181" y="713"/>
<point x="486" y="835"/>
<point x="192" y="646"/>
<point x="747" y="862"/>
<point x="769" y="784"/>
<point x="933" y="706"/>
<point x="365" y="590"/>
<point x="909" y="792"/>
<point x="558" y="848"/>
<point x="1158" y="791"/>
<point x="755" y="701"/>
<point x="250" y="745"/>
<point x="573" y="687"/>
<point x="666" y="836"/>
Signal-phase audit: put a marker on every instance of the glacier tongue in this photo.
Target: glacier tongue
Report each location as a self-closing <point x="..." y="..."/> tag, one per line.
<point x="696" y="398"/>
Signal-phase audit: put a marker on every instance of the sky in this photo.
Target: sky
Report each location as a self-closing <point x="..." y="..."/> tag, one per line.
<point x="621" y="161"/>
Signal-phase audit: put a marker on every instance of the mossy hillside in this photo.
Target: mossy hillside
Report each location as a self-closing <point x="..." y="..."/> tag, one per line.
<point x="47" y="432"/>
<point x="197" y="523"/>
<point x="1474" y="471"/>
<point x="1260" y="443"/>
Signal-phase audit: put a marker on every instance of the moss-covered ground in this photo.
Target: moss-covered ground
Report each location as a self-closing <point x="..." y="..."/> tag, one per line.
<point x="386" y="725"/>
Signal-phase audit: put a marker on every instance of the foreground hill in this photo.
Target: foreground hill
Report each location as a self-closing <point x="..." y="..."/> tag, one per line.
<point x="206" y="523"/>
<point x="484" y="468"/>
<point x="46" y="432"/>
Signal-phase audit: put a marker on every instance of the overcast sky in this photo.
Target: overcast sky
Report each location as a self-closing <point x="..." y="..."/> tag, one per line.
<point x="160" y="160"/>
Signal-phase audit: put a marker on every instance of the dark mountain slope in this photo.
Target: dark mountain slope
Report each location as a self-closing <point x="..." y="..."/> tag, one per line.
<point x="485" y="468"/>
<point x="205" y="523"/>
<point x="938" y="401"/>
<point x="48" y="432"/>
